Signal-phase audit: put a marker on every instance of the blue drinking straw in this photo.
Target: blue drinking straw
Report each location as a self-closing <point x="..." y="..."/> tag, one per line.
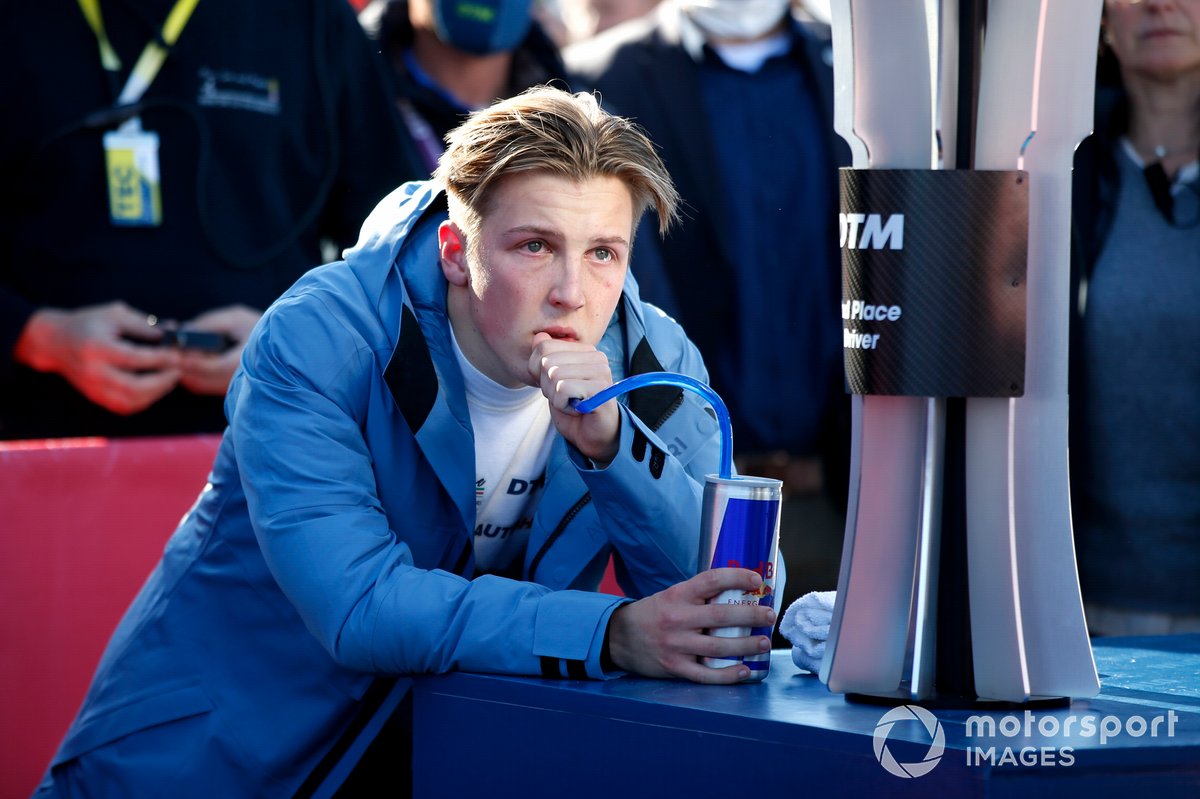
<point x="679" y="381"/>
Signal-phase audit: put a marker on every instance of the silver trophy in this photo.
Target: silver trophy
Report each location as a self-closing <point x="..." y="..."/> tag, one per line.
<point x="958" y="577"/>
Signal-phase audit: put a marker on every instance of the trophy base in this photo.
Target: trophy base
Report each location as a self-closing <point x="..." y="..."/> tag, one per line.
<point x="955" y="702"/>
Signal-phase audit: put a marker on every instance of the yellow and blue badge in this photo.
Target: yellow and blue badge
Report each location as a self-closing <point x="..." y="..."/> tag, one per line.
<point x="130" y="153"/>
<point x="131" y="161"/>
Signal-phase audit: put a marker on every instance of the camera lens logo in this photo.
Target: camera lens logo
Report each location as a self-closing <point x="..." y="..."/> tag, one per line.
<point x="937" y="740"/>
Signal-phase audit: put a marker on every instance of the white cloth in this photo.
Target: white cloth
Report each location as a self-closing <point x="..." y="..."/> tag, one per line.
<point x="805" y="624"/>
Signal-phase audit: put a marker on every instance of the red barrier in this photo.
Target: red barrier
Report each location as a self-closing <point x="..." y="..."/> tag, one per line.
<point x="609" y="585"/>
<point x="82" y="523"/>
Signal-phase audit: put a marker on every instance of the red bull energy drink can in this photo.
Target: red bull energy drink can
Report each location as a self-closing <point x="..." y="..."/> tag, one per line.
<point x="739" y="527"/>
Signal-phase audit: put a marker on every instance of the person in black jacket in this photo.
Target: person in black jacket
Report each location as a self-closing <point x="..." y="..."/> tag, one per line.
<point x="1135" y="418"/>
<point x="450" y="58"/>
<point x="739" y="96"/>
<point x="273" y="131"/>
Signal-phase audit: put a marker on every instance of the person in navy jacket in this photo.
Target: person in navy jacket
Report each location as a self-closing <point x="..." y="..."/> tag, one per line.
<point x="739" y="96"/>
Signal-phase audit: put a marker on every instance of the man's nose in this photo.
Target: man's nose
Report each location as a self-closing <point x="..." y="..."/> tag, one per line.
<point x="567" y="290"/>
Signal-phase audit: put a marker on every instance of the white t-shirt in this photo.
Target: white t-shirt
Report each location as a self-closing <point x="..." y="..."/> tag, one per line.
<point x="513" y="434"/>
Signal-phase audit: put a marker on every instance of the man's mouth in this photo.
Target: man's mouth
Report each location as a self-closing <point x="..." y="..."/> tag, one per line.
<point x="561" y="333"/>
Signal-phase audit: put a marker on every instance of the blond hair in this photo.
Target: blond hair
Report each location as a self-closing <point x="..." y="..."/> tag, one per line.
<point x="548" y="130"/>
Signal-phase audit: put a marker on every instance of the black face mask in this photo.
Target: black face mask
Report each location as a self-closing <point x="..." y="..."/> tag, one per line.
<point x="1181" y="211"/>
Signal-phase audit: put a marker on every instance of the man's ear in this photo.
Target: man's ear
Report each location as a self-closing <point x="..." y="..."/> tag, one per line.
<point x="452" y="247"/>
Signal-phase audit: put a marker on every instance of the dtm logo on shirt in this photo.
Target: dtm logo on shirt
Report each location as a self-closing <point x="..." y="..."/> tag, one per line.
<point x="517" y="486"/>
<point x="871" y="232"/>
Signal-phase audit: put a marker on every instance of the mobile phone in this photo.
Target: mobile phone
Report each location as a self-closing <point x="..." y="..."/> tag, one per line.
<point x="200" y="340"/>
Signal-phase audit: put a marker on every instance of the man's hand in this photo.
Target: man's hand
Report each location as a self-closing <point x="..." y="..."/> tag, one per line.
<point x="569" y="369"/>
<point x="87" y="346"/>
<point x="663" y="635"/>
<point x="210" y="373"/>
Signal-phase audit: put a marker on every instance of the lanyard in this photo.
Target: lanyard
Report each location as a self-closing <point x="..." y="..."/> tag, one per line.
<point x="153" y="55"/>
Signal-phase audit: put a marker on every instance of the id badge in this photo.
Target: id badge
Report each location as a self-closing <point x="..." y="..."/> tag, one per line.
<point x="131" y="161"/>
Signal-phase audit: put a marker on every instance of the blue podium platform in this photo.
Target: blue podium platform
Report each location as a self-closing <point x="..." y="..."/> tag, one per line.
<point x="486" y="735"/>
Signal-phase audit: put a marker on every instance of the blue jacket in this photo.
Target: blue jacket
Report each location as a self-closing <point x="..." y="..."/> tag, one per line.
<point x="333" y="544"/>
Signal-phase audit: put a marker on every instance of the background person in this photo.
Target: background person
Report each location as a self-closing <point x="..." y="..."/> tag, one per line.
<point x="273" y="130"/>
<point x="583" y="19"/>
<point x="738" y="95"/>
<point x="1135" y="416"/>
<point x="449" y="58"/>
<point x="385" y="408"/>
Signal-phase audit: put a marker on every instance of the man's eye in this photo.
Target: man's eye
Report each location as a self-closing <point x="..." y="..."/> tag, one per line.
<point x="605" y="254"/>
<point x="534" y="246"/>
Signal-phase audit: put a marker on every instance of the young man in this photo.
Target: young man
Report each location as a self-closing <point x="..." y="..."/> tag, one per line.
<point x="403" y="488"/>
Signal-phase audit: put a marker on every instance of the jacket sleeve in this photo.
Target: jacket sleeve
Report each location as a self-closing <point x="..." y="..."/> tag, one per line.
<point x="295" y="413"/>
<point x="649" y="497"/>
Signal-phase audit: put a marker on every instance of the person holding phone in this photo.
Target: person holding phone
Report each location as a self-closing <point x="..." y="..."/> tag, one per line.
<point x="194" y="193"/>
